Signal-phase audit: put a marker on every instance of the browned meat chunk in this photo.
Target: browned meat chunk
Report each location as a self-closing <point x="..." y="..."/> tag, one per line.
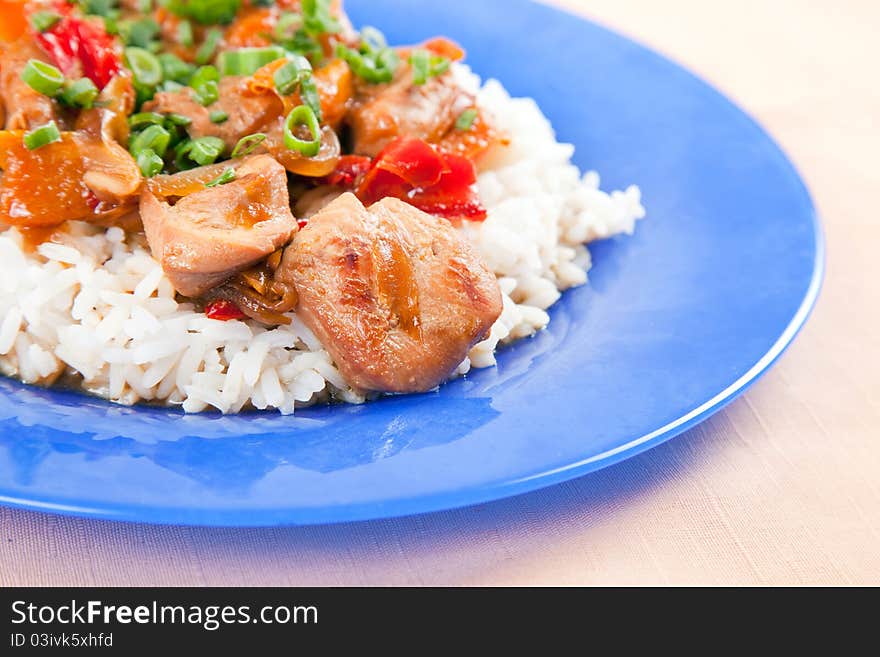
<point x="212" y="234"/>
<point x="26" y="109"/>
<point x="247" y="112"/>
<point x="381" y="113"/>
<point x="396" y="296"/>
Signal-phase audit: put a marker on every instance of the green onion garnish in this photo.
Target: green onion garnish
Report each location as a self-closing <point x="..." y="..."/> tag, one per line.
<point x="144" y="66"/>
<point x="218" y="116"/>
<point x="372" y="40"/>
<point x="246" y="61"/>
<point x="143" y="119"/>
<point x="317" y="19"/>
<point x="178" y="119"/>
<point x="289" y="76"/>
<point x="100" y="7"/>
<point x="228" y="175"/>
<point x="287" y="25"/>
<point x="308" y="91"/>
<point x="205" y="52"/>
<point x="426" y="65"/>
<point x="111" y="25"/>
<point x="141" y="33"/>
<point x="207" y="93"/>
<point x="43" y="20"/>
<point x="206" y="12"/>
<point x="80" y="93"/>
<point x="45" y="134"/>
<point x="204" y="83"/>
<point x="171" y="86"/>
<point x="154" y="137"/>
<point x="42" y="77"/>
<point x="420" y="61"/>
<point x="439" y="65"/>
<point x="302" y="44"/>
<point x="185" y="33"/>
<point x="149" y="162"/>
<point x="203" y="151"/>
<point x="174" y="68"/>
<point x="373" y="61"/>
<point x="302" y="115"/>
<point x="247" y="145"/>
<point x="465" y="120"/>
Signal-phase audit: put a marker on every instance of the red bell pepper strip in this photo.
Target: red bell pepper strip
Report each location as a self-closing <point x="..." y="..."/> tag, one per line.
<point x="432" y="180"/>
<point x="80" y="47"/>
<point x="223" y="310"/>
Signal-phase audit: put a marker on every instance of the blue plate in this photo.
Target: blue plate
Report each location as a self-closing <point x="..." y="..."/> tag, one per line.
<point x="675" y="323"/>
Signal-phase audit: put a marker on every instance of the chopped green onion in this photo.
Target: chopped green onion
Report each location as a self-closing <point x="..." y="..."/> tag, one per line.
<point x="145" y="6"/>
<point x="154" y="137"/>
<point x="439" y="65"/>
<point x="204" y="83"/>
<point x="100" y="7"/>
<point x="218" y="116"/>
<point x="302" y="115"/>
<point x="141" y="33"/>
<point x="287" y="26"/>
<point x="143" y="93"/>
<point x="206" y="12"/>
<point x="42" y="77"/>
<point x="207" y="93"/>
<point x="45" y="134"/>
<point x="420" y="61"/>
<point x="228" y="175"/>
<point x="426" y="65"/>
<point x="465" y="120"/>
<point x="204" y="74"/>
<point x="171" y="86"/>
<point x="111" y="25"/>
<point x="185" y="33"/>
<point x="317" y="19"/>
<point x="246" y="61"/>
<point x="308" y="91"/>
<point x="289" y="76"/>
<point x="373" y="61"/>
<point x="247" y="145"/>
<point x="149" y="162"/>
<point x="372" y="40"/>
<point x="205" y="52"/>
<point x="174" y="68"/>
<point x="43" y="20"/>
<point x="178" y="119"/>
<point x="144" y="65"/>
<point x="80" y="93"/>
<point x="302" y="44"/>
<point x="203" y="151"/>
<point x="143" y="119"/>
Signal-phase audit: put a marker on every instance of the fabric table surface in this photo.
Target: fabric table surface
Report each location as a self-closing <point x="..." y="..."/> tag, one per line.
<point x="782" y="487"/>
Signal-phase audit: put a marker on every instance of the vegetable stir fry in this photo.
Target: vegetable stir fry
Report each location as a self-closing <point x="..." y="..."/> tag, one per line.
<point x="219" y="129"/>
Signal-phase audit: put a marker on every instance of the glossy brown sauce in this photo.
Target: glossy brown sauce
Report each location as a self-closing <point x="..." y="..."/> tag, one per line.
<point x="397" y="288"/>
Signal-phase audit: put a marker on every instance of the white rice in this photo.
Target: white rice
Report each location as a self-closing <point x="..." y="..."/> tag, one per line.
<point x="97" y="306"/>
